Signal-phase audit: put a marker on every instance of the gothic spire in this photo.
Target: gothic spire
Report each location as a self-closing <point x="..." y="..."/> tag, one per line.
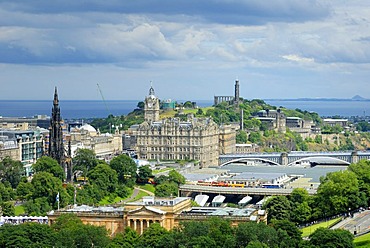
<point x="56" y="148"/>
<point x="56" y="101"/>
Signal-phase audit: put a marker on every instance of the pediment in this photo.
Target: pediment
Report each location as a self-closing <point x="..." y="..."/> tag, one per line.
<point x="146" y="211"/>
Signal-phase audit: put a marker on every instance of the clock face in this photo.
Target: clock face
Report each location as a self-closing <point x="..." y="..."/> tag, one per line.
<point x="150" y="104"/>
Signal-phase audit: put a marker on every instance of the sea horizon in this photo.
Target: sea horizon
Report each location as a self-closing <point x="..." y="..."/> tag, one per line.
<point x="82" y="109"/>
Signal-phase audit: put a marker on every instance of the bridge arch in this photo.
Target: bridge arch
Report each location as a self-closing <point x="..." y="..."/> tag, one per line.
<point x="244" y="160"/>
<point x="321" y="159"/>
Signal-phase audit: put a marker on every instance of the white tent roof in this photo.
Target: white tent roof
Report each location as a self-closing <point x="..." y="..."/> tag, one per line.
<point x="201" y="200"/>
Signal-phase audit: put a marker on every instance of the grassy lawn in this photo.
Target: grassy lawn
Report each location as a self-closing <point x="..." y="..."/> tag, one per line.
<point x="362" y="241"/>
<point x="106" y="201"/>
<point x="148" y="187"/>
<point x="306" y="231"/>
<point x="171" y="113"/>
<point x="19" y="210"/>
<point x="161" y="170"/>
<point x="139" y="196"/>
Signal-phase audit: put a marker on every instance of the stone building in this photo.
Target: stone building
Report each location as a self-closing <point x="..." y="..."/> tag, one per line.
<point x="274" y="119"/>
<point x="199" y="139"/>
<point x="104" y="145"/>
<point x="138" y="215"/>
<point x="167" y="212"/>
<point x="227" y="139"/>
<point x="24" y="123"/>
<point x="229" y="99"/>
<point x="151" y="107"/>
<point x="24" y="146"/>
<point x="172" y="139"/>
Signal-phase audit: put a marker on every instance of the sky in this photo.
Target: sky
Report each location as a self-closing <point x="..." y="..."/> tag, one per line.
<point x="187" y="49"/>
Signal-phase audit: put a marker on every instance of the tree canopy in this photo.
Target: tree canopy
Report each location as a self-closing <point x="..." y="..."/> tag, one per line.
<point x="125" y="168"/>
<point x="11" y="171"/>
<point x="48" y="164"/>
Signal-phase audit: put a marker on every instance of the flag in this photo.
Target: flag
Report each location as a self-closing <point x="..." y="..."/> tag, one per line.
<point x="57" y="198"/>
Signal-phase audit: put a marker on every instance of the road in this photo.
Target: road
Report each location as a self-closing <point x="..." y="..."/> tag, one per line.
<point x="135" y="193"/>
<point x="358" y="224"/>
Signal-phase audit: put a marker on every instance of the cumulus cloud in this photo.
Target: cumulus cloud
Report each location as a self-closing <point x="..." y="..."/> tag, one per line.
<point x="252" y="36"/>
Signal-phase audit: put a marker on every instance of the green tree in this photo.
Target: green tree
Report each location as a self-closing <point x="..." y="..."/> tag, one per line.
<point x="48" y="164"/>
<point x="299" y="195"/>
<point x="70" y="232"/>
<point x="6" y="193"/>
<point x="7" y="208"/>
<point x="104" y="177"/>
<point x="151" y="236"/>
<point x="141" y="105"/>
<point x="300" y="202"/>
<point x="362" y="171"/>
<point x="241" y="137"/>
<point x="11" y="171"/>
<point x="326" y="238"/>
<point x="24" y="190"/>
<point x="255" y="137"/>
<point x="166" y="189"/>
<point x="337" y="193"/>
<point x="363" y="126"/>
<point x="29" y="234"/>
<point x="247" y="232"/>
<point x="279" y="208"/>
<point x="200" y="112"/>
<point x="126" y="169"/>
<point x="176" y="177"/>
<point x="84" y="161"/>
<point x="188" y="104"/>
<point x="294" y="235"/>
<point x="37" y="207"/>
<point x="256" y="244"/>
<point x="125" y="240"/>
<point x="144" y="174"/>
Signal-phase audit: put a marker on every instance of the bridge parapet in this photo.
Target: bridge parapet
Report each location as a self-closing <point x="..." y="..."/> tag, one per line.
<point x="183" y="189"/>
<point x="292" y="157"/>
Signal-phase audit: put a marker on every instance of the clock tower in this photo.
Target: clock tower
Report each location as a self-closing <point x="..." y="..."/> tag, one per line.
<point x="151" y="107"/>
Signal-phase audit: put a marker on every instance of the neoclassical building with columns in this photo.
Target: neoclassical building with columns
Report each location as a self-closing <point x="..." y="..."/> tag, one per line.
<point x="167" y="212"/>
<point x="138" y="215"/>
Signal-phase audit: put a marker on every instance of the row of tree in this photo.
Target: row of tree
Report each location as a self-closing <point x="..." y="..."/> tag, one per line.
<point x="340" y="192"/>
<point x="68" y="231"/>
<point x="101" y="180"/>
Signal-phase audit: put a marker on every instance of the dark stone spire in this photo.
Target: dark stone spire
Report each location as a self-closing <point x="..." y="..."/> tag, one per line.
<point x="56" y="148"/>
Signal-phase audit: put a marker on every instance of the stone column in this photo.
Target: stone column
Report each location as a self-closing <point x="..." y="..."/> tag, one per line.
<point x="354" y="157"/>
<point x="141" y="227"/>
<point x="135" y="225"/>
<point x="284" y="158"/>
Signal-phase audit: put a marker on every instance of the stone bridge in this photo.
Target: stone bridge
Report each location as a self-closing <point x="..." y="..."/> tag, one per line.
<point x="186" y="190"/>
<point x="293" y="158"/>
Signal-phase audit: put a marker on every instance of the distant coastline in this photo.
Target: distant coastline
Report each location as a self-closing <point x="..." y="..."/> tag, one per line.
<point x="75" y="109"/>
<point x="355" y="98"/>
<point x="319" y="99"/>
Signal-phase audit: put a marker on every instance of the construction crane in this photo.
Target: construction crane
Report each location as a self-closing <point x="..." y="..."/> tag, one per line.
<point x="101" y="93"/>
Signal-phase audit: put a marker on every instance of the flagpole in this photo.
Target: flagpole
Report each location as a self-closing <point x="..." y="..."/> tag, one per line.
<point x="57" y="199"/>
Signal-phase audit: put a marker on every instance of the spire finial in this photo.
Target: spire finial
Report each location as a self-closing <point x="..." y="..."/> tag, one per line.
<point x="56" y="101"/>
<point x="151" y="90"/>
